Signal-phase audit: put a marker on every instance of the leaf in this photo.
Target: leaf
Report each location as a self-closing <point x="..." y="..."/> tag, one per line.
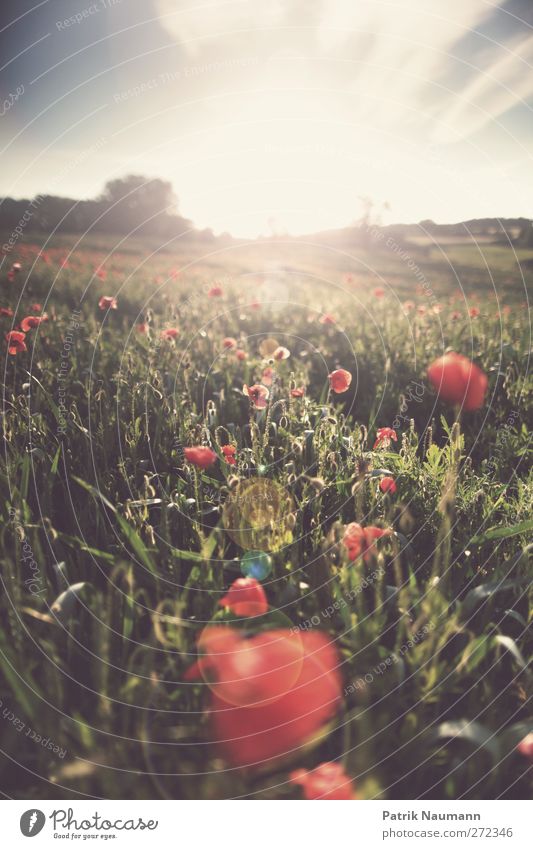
<point x="480" y="594"/>
<point x="471" y="732"/>
<point x="55" y="461"/>
<point x="509" y="644"/>
<point x="503" y="533"/>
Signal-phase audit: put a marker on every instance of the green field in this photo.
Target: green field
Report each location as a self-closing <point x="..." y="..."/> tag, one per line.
<point x="116" y="550"/>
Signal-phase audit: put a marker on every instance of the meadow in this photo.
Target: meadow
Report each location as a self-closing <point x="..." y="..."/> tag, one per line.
<point x="178" y="419"/>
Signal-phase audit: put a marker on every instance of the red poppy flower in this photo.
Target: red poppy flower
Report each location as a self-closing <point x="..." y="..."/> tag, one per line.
<point x="142" y="327"/>
<point x="473" y="312"/>
<point x="271" y="693"/>
<point x="339" y="380"/>
<point x="15" y="342"/>
<point x="421" y="310"/>
<point x="298" y="392"/>
<point x="268" y="376"/>
<point x="255" y="305"/>
<point x="408" y="306"/>
<point x="525" y="747"/>
<point x="101" y="273"/>
<point x="10" y="276"/>
<point x="229" y="342"/>
<point x="384" y="436"/>
<point x="257" y="394"/>
<point x="326" y="781"/>
<point x="170" y="333"/>
<point x="361" y="541"/>
<point x="35" y="307"/>
<point x="30" y="322"/>
<point x="387" y="484"/>
<point x="200" y="455"/>
<point x="7" y="311"/>
<point x="229" y="452"/>
<point x="459" y="381"/>
<point x="215" y="292"/>
<point x="240" y="354"/>
<point x="106" y="302"/>
<point x="455" y="315"/>
<point x="327" y="318"/>
<point x="245" y="597"/>
<point x="281" y="353"/>
<point x="379" y="292"/>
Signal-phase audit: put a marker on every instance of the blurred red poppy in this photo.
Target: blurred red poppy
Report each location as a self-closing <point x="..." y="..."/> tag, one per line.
<point x="473" y="312"/>
<point x="200" y="455"/>
<point x="298" y="392"/>
<point x="215" y="292"/>
<point x="268" y="376"/>
<point x="30" y="322"/>
<point x="142" y="327"/>
<point x="525" y="747"/>
<point x="384" y="436"/>
<point x="281" y="353"/>
<point x="339" y="380"/>
<point x="240" y="354"/>
<point x="257" y="394"/>
<point x="245" y="597"/>
<point x="361" y="541"/>
<point x="458" y="381"/>
<point x="170" y="333"/>
<point x="326" y="781"/>
<point x="35" y="307"/>
<point x="387" y="484"/>
<point x="7" y="311"/>
<point x="327" y="318"/>
<point x="229" y="342"/>
<point x="15" y="342"/>
<point x="106" y="302"/>
<point x="229" y="452"/>
<point x="379" y="292"/>
<point x="272" y="694"/>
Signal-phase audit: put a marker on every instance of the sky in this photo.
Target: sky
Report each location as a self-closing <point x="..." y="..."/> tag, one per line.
<point x="274" y="116"/>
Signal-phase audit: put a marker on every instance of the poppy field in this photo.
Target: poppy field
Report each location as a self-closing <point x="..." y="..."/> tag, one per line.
<point x="266" y="524"/>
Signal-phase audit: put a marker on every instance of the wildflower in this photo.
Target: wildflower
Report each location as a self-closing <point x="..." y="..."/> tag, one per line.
<point x="170" y="333"/>
<point x="257" y="394"/>
<point x="327" y="318"/>
<point x="200" y="455"/>
<point x="298" y="392"/>
<point x="384" y="436"/>
<point x="271" y="693"/>
<point x="30" y="322"/>
<point x="245" y="597"/>
<point x="229" y="452"/>
<point x="525" y="747"/>
<point x="101" y="273"/>
<point x="408" y="306"/>
<point x="387" y="484"/>
<point x="455" y="315"/>
<point x="339" y="380"/>
<point x="361" y="541"/>
<point x="473" y="312"/>
<point x="457" y="380"/>
<point x="215" y="292"/>
<point x="36" y="307"/>
<point x="240" y="354"/>
<point x="7" y="311"/>
<point x="281" y="353"/>
<point x="15" y="342"/>
<point x="267" y="378"/>
<point x="229" y="342"/>
<point x="379" y="292"/>
<point x="255" y="305"/>
<point x="142" y="327"/>
<point x="106" y="302"/>
<point x="326" y="781"/>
